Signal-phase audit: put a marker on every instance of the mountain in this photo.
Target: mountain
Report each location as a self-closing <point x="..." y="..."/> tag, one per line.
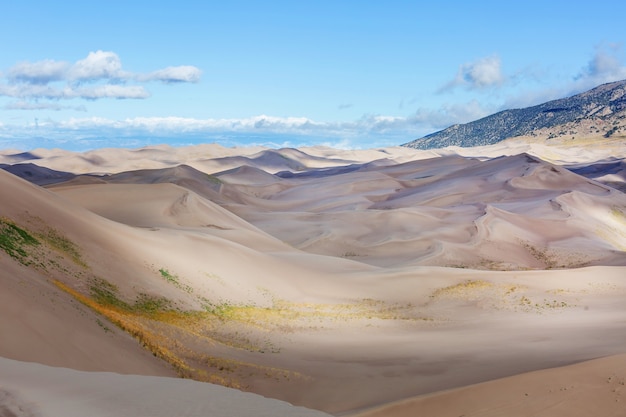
<point x="597" y="112"/>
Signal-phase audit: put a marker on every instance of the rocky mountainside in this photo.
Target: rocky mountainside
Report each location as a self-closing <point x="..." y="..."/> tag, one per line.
<point x="597" y="112"/>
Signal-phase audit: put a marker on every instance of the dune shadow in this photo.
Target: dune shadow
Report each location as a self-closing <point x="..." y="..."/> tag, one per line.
<point x="38" y="175"/>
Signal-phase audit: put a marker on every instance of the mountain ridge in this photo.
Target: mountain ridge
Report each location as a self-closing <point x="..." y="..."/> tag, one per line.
<point x="600" y="111"/>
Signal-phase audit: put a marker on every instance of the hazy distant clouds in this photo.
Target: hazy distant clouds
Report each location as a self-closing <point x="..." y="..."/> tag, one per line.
<point x="99" y="75"/>
<point x="605" y="66"/>
<point x="261" y="123"/>
<point x="450" y="114"/>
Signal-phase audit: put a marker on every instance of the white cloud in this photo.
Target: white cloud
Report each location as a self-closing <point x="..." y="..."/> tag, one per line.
<point x="485" y="72"/>
<point x="255" y="123"/>
<point x="183" y="73"/>
<point x="367" y="131"/>
<point x="42" y="72"/>
<point x="100" y="75"/>
<point x="605" y="66"/>
<point x="367" y="126"/>
<point x="98" y="65"/>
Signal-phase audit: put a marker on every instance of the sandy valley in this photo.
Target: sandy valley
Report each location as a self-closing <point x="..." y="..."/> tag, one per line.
<point x="384" y="282"/>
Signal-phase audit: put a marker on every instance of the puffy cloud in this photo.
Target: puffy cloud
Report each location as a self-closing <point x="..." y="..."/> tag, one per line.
<point x="485" y="72"/>
<point x="180" y="74"/>
<point x="97" y="66"/>
<point x="100" y="75"/>
<point x="42" y="72"/>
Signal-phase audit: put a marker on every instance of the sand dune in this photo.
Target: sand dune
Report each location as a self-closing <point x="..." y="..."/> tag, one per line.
<point x="41" y="323"/>
<point x="593" y="388"/>
<point x="37" y="390"/>
<point x="513" y="211"/>
<point x="336" y="280"/>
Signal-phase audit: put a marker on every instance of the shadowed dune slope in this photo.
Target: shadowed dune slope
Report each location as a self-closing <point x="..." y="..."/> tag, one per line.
<point x="31" y="390"/>
<point x="38" y="321"/>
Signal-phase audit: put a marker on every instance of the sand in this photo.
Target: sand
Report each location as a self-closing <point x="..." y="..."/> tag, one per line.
<point x="585" y="389"/>
<point x="40" y="391"/>
<point x="384" y="282"/>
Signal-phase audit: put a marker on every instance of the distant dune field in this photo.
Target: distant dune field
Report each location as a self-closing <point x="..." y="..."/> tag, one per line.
<point x="384" y="282"/>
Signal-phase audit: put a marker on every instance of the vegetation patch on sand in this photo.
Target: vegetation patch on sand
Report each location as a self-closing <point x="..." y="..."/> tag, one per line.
<point x="40" y="246"/>
<point x="174" y="280"/>
<point x="504" y="296"/>
<point x="289" y="316"/>
<point x="160" y="327"/>
<point x="224" y="334"/>
<point x="16" y="241"/>
<point x="463" y="290"/>
<point x="62" y="244"/>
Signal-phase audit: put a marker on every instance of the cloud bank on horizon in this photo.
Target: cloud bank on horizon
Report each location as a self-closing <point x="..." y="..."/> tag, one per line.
<point x="44" y="85"/>
<point x="324" y="74"/>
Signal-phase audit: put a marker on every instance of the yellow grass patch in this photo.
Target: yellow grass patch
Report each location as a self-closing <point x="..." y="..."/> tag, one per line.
<point x="466" y="289"/>
<point x="287" y="315"/>
<point x="160" y="332"/>
<point x="504" y="296"/>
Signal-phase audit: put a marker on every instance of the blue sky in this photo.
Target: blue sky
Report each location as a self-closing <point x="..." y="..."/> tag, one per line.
<point x="353" y="74"/>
